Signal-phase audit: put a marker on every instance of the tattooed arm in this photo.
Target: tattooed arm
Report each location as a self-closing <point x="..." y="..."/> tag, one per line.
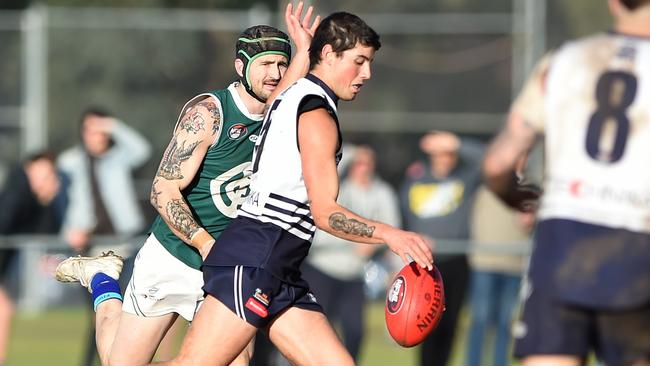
<point x="318" y="138"/>
<point x="195" y="132"/>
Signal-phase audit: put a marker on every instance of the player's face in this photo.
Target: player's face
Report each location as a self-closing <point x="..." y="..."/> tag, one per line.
<point x="352" y="69"/>
<point x="265" y="73"/>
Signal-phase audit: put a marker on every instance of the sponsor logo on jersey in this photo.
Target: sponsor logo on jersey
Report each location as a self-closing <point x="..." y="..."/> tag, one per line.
<point x="253" y="138"/>
<point x="254" y="306"/>
<point x="580" y="189"/>
<point x="237" y="131"/>
<point x="396" y="295"/>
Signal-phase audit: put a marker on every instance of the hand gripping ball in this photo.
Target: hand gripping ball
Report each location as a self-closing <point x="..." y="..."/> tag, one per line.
<point x="414" y="304"/>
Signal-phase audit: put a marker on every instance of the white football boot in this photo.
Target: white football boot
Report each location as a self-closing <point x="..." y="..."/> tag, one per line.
<point x="82" y="269"/>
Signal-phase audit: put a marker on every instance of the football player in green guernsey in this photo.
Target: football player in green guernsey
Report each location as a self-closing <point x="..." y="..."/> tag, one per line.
<point x="200" y="183"/>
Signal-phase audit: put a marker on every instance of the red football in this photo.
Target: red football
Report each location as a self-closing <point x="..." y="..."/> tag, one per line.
<point x="414" y="304"/>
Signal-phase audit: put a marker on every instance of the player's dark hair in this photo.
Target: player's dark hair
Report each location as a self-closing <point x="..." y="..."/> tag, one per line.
<point x="342" y="31"/>
<point x="633" y="4"/>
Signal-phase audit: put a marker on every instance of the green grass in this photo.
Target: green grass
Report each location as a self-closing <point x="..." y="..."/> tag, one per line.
<point x="379" y="348"/>
<point x="57" y="338"/>
<point x="51" y="338"/>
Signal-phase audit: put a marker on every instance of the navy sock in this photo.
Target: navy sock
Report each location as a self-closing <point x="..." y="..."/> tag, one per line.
<point x="104" y="287"/>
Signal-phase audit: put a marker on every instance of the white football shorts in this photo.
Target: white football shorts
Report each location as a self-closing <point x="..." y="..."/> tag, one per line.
<point x="162" y="284"/>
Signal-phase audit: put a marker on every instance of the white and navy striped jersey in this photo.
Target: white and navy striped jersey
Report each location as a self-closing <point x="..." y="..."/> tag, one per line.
<point x="274" y="226"/>
<point x="591" y="99"/>
<point x="278" y="193"/>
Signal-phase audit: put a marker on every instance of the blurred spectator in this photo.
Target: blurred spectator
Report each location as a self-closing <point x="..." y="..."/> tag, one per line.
<point x="33" y="201"/>
<point x="334" y="267"/>
<point x="103" y="200"/>
<point x="436" y="200"/>
<point x="495" y="278"/>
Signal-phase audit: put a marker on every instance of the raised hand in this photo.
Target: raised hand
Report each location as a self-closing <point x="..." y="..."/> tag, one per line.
<point x="300" y="31"/>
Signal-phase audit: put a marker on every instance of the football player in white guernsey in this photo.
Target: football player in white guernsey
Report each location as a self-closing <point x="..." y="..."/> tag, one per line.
<point x="589" y="277"/>
<point x="252" y="276"/>
<point x="166" y="282"/>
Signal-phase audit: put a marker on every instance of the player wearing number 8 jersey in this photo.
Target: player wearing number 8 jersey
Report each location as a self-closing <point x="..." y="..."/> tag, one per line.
<point x="589" y="276"/>
<point x="200" y="183"/>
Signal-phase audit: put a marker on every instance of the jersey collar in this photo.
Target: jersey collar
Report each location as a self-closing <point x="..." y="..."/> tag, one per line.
<point x="240" y="103"/>
<point x="321" y="83"/>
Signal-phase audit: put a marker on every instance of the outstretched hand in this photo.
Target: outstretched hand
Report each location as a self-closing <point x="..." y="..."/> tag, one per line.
<point x="300" y="31"/>
<point x="410" y="247"/>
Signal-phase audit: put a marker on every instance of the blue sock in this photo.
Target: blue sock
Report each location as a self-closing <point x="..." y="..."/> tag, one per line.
<point x="104" y="287"/>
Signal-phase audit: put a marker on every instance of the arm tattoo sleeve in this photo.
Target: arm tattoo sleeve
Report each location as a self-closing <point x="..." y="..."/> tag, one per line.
<point x="193" y="120"/>
<point x="216" y="117"/>
<point x="170" y="166"/>
<point x="340" y="222"/>
<point x="155" y="194"/>
<point x="180" y="218"/>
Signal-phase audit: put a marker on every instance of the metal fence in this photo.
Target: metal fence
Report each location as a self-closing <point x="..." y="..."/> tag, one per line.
<point x="453" y="71"/>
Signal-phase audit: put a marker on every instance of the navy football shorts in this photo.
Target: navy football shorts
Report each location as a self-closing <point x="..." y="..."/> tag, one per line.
<point x="550" y="327"/>
<point x="255" y="295"/>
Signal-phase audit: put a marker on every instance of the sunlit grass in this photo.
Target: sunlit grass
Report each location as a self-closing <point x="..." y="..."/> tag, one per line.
<point x="57" y="337"/>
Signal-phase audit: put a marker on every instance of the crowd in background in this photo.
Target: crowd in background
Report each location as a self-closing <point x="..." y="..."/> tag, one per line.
<point x="89" y="190"/>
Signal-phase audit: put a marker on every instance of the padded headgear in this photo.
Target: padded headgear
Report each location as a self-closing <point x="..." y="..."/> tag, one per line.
<point x="257" y="41"/>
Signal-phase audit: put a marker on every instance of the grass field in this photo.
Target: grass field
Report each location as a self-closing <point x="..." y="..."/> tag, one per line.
<point x="56" y="338"/>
